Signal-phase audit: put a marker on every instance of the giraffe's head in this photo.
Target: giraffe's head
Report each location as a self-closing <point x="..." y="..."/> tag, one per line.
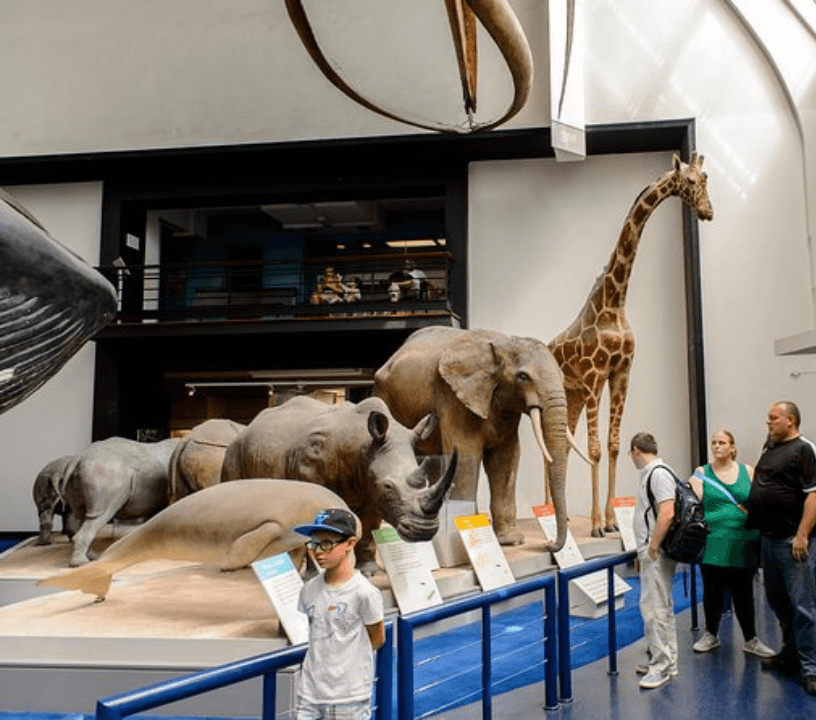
<point x="691" y="185"/>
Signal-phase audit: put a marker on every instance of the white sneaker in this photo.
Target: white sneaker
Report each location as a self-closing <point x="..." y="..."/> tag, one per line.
<point x="706" y="643"/>
<point x="642" y="669"/>
<point x="755" y="646"/>
<point x="673" y="671"/>
<point x="654" y="680"/>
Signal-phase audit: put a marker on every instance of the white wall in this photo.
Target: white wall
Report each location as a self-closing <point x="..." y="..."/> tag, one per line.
<point x="55" y="420"/>
<point x="92" y="75"/>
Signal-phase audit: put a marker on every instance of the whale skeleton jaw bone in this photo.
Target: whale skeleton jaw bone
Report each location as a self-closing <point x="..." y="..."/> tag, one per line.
<point x="500" y="22"/>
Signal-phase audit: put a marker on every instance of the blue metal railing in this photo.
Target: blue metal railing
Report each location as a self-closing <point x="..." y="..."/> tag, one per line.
<point x="267" y="666"/>
<point x="557" y="652"/>
<point x="407" y="623"/>
<point x="564" y="577"/>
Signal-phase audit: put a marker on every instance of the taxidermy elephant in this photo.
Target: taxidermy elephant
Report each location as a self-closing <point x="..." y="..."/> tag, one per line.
<point x="479" y="383"/>
<point x="49" y="497"/>
<point x="116" y="478"/>
<point x="197" y="460"/>
<point x="358" y="451"/>
<point x="232" y="525"/>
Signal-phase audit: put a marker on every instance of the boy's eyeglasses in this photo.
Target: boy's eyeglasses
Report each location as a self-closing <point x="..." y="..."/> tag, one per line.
<point x="324" y="545"/>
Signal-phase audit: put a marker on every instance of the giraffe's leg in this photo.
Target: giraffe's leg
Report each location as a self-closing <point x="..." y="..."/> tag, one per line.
<point x="594" y="448"/>
<point x="618" y="386"/>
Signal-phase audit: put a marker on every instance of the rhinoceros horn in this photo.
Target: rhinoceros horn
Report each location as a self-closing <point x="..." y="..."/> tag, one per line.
<point x="431" y="498"/>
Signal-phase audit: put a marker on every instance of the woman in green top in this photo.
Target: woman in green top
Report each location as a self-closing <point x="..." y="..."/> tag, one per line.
<point x="731" y="552"/>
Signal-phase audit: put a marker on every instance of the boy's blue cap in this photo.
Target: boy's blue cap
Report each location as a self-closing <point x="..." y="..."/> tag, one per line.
<point x="335" y="520"/>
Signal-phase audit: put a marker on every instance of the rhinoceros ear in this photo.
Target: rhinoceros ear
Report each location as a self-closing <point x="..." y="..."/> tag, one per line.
<point x="469" y="367"/>
<point x="378" y="426"/>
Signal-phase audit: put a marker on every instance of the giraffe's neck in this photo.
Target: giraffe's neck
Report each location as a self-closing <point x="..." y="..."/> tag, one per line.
<point x="610" y="289"/>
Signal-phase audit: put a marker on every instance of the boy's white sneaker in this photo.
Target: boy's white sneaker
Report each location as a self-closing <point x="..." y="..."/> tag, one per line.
<point x="706" y="643"/>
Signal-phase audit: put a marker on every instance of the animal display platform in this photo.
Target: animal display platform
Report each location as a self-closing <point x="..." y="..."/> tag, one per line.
<point x="171" y="617"/>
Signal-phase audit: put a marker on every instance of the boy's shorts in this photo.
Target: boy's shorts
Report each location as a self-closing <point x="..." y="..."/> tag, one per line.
<point x="360" y="710"/>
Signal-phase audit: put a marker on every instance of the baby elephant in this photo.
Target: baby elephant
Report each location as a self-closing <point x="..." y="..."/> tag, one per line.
<point x="49" y="497"/>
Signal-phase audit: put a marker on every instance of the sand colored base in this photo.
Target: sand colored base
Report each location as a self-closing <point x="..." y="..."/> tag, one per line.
<point x="171" y="599"/>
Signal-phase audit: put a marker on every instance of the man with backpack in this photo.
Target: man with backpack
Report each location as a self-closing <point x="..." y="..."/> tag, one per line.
<point x="651" y="523"/>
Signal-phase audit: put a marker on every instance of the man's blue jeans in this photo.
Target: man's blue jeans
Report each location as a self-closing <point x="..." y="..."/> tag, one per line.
<point x="791" y="590"/>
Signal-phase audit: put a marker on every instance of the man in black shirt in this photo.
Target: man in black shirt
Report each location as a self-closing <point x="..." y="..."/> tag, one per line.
<point x="782" y="505"/>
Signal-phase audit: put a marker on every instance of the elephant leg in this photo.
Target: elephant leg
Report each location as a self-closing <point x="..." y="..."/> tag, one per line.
<point x="501" y="467"/>
<point x="469" y="449"/>
<point x="86" y="534"/>
<point x="618" y="386"/>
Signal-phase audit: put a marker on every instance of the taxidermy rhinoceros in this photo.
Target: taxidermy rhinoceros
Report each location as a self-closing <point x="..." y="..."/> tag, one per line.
<point x="357" y="450"/>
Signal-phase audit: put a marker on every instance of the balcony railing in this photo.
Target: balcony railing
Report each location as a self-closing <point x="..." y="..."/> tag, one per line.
<point x="336" y="287"/>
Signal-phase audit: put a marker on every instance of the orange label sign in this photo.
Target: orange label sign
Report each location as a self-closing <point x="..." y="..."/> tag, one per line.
<point x="470" y="522"/>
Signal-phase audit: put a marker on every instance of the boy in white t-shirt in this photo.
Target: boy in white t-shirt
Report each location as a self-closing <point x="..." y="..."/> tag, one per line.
<point x="346" y="624"/>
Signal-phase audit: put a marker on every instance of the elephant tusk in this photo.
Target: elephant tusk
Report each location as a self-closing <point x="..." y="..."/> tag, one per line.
<point x="575" y="446"/>
<point x="535" y="420"/>
<point x="499" y="21"/>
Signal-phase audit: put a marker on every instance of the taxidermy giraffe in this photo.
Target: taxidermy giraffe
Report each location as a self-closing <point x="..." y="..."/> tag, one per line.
<point x="599" y="346"/>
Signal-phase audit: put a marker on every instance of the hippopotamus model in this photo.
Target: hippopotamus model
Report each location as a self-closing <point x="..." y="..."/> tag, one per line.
<point x="231" y="525"/>
<point x="116" y="478"/>
<point x="357" y="450"/>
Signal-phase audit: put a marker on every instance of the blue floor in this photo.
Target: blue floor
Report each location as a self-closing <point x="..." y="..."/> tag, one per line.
<point x="725" y="684"/>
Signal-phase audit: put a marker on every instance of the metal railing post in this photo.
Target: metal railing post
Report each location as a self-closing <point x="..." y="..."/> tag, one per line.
<point x="487" y="670"/>
<point x="385" y="676"/>
<point x="550" y="650"/>
<point x="564" y="653"/>
<point x="269" y="695"/>
<point x="613" y="624"/>
<point x="405" y="669"/>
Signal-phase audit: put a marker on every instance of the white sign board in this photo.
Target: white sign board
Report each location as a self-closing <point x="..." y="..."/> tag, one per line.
<point x="282" y="583"/>
<point x="484" y="552"/>
<point x="625" y="515"/>
<point x="593" y="587"/>
<point x="412" y="582"/>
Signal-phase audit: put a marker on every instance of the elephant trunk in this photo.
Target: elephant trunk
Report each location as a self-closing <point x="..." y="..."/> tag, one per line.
<point x="432" y="498"/>
<point x="554" y="435"/>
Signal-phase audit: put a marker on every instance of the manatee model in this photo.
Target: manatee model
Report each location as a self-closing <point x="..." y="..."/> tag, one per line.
<point x="230" y="525"/>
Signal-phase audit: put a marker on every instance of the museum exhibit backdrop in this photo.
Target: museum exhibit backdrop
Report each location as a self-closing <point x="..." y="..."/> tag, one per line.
<point x="187" y="74"/>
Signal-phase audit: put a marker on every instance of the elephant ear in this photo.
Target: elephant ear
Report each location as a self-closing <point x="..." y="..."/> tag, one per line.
<point x="469" y="368"/>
